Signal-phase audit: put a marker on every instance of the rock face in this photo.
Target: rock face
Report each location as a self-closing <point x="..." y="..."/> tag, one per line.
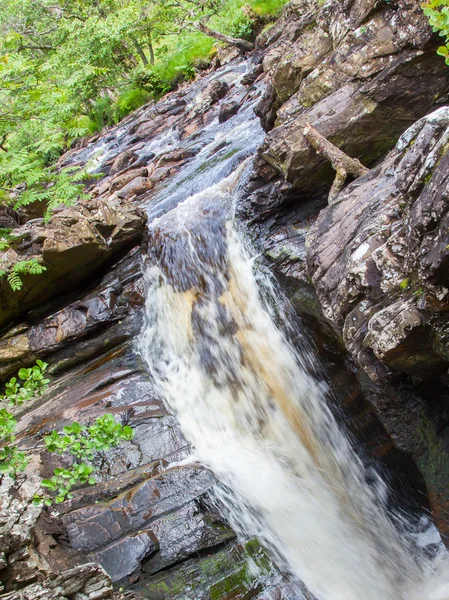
<point x="86" y="582"/>
<point x="359" y="71"/>
<point x="376" y="263"/>
<point x="72" y="246"/>
<point x="379" y="257"/>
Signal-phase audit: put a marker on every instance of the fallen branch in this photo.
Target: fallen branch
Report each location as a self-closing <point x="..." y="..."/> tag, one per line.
<point x="242" y="45"/>
<point x="343" y="164"/>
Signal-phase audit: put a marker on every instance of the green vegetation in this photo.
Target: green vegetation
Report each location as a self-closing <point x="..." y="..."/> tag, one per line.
<point x="431" y="457"/>
<point x="71" y="67"/>
<point x="437" y="11"/>
<point x="81" y="444"/>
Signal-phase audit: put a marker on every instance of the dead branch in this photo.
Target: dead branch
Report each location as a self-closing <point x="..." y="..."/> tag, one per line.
<point x="242" y="45"/>
<point x="343" y="164"/>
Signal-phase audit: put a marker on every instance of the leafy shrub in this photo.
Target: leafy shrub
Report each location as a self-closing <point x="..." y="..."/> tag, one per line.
<point x="437" y="11"/>
<point x="82" y="443"/>
<point x="129" y="100"/>
<point x="23" y="267"/>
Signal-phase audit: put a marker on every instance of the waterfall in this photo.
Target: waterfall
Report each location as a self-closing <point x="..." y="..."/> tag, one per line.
<point x="247" y="402"/>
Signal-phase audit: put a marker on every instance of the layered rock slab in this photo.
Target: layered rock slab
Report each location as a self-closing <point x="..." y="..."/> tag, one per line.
<point x="71" y="246"/>
<point x="360" y="72"/>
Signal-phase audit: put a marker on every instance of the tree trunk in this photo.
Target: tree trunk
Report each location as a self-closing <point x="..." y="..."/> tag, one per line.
<point x="139" y="50"/>
<point x="242" y="45"/>
<point x="150" y="47"/>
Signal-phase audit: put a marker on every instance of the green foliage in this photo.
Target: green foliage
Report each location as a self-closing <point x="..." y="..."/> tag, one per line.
<point x="68" y="69"/>
<point x="84" y="444"/>
<point x="32" y="383"/>
<point x="23" y="267"/>
<point x="81" y="443"/>
<point x="437" y="11"/>
<point x="133" y="97"/>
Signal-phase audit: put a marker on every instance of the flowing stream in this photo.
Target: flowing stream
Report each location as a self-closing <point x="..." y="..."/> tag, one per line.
<point x="246" y="399"/>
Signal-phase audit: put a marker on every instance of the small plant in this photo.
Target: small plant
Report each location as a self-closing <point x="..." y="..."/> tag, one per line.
<point x="82" y="443"/>
<point x="28" y="383"/>
<point x="34" y="384"/>
<point x="23" y="267"/>
<point x="437" y="11"/>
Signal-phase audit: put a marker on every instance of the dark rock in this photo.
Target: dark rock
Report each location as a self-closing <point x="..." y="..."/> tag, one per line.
<point x="175" y="156"/>
<point x="123" y="179"/>
<point x="236" y="571"/>
<point x="215" y="91"/>
<point x="9" y="218"/>
<point x="136" y="187"/>
<point x="377" y="257"/>
<point x="377" y="260"/>
<point x="267" y="107"/>
<point x="124" y="558"/>
<point x="251" y="77"/>
<point x="123" y="161"/>
<point x="89" y="582"/>
<point x="227" y="111"/>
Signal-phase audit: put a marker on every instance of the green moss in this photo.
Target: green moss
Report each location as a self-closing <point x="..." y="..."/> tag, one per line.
<point x="232" y="573"/>
<point x="232" y="586"/>
<point x="431" y="457"/>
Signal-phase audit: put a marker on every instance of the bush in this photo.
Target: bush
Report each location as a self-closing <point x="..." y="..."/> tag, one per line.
<point x="130" y="100"/>
<point x="81" y="443"/>
<point x="437" y="11"/>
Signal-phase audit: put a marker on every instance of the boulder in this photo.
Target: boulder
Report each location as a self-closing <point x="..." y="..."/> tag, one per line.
<point x="123" y="161"/>
<point x="72" y="246"/>
<point x="124" y="178"/>
<point x="227" y="111"/>
<point x="136" y="187"/>
<point x="214" y="92"/>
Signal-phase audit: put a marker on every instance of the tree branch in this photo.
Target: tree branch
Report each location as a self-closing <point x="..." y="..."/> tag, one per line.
<point x="242" y="45"/>
<point x="343" y="164"/>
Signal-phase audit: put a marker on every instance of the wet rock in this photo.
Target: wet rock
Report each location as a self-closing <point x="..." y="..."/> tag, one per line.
<point x="377" y="257"/>
<point x="360" y="85"/>
<point x="72" y="246"/>
<point x="251" y="77"/>
<point x="236" y="571"/>
<point x="175" y="156"/>
<point x="118" y="294"/>
<point x="121" y="180"/>
<point x="135" y="187"/>
<point x="86" y="582"/>
<point x="227" y="111"/>
<point x="134" y="547"/>
<point x="9" y="218"/>
<point x="215" y="91"/>
<point x="123" y="161"/>
<point x="99" y="525"/>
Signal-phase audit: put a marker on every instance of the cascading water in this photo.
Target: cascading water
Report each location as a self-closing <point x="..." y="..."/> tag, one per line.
<point x="245" y="397"/>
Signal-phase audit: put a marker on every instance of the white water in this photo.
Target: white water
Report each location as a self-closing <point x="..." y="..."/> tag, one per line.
<point x="259" y="421"/>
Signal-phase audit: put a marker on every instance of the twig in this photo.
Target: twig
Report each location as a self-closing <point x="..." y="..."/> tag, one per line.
<point x="343" y="164"/>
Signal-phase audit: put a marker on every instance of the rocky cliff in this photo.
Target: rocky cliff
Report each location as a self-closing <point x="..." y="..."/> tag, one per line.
<point x="368" y="273"/>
